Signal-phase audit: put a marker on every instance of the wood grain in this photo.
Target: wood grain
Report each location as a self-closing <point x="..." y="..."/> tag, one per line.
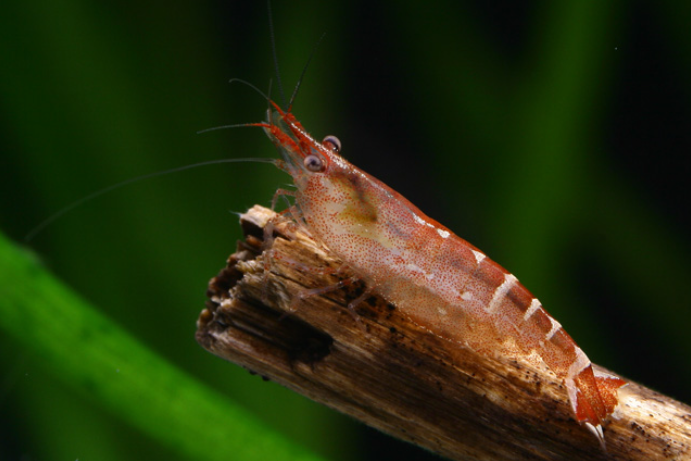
<point x="377" y="366"/>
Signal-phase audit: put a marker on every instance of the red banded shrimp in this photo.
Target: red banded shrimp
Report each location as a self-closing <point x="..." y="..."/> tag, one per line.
<point x="433" y="276"/>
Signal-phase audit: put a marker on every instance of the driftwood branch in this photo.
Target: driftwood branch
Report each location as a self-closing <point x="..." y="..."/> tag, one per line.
<point x="380" y="368"/>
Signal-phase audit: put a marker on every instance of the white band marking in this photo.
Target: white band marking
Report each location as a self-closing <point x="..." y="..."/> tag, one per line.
<point x="509" y="281"/>
<point x="555" y="327"/>
<point x="479" y="256"/>
<point x="444" y="234"/>
<point x="534" y="306"/>
<point x="580" y="363"/>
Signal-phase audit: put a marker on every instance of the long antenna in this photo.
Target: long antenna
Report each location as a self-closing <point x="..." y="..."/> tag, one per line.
<point x="36" y="230"/>
<point x="304" y="71"/>
<point x="245" y="82"/>
<point x="275" y="54"/>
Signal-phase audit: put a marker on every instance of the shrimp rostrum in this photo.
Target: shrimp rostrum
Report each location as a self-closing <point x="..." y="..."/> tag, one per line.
<point x="433" y="276"/>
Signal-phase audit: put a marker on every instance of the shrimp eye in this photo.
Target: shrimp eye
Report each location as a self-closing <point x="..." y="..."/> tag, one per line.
<point x="314" y="164"/>
<point x="332" y="142"/>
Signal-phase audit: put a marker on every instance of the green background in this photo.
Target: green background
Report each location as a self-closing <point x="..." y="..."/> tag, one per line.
<point x="553" y="135"/>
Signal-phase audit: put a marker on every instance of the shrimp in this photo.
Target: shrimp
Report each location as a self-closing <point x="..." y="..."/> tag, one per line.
<point x="421" y="267"/>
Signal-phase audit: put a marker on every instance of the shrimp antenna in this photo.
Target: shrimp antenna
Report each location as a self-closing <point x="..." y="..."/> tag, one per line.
<point x="304" y="71"/>
<point x="240" y="125"/>
<point x="268" y="100"/>
<point x="225" y="127"/>
<point x="36" y="230"/>
<point x="275" y="54"/>
<point x="245" y="82"/>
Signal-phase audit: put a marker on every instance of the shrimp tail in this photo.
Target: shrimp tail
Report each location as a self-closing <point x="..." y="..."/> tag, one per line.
<point x="595" y="398"/>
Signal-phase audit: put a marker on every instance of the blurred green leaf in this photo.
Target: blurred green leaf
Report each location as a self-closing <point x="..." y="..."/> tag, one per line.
<point x="92" y="354"/>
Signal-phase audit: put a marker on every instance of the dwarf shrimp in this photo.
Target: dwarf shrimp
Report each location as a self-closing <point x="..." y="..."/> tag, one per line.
<point x="436" y="278"/>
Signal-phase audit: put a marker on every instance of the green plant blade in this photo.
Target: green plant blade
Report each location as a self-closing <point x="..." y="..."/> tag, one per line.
<point x="93" y="355"/>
